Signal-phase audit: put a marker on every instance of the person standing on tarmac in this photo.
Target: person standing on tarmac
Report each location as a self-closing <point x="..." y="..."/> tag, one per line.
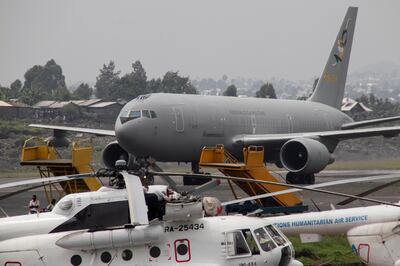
<point x="50" y="207"/>
<point x="34" y="205"/>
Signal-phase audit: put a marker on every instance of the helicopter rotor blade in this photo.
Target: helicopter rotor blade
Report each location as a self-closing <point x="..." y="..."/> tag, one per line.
<point x="45" y="180"/>
<point x="295" y="188"/>
<point x="367" y="192"/>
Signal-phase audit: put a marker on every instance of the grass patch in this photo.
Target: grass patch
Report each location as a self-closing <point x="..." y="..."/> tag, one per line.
<point x="17" y="127"/>
<point x="332" y="250"/>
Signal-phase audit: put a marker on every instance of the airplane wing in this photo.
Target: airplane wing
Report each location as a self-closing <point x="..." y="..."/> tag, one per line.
<point x="267" y="139"/>
<point x="369" y="122"/>
<point x="101" y="132"/>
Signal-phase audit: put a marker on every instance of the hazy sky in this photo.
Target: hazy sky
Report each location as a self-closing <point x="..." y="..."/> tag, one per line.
<point x="207" y="38"/>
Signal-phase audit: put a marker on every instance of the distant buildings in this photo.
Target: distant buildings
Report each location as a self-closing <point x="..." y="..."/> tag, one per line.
<point x="93" y="109"/>
<point x="351" y="106"/>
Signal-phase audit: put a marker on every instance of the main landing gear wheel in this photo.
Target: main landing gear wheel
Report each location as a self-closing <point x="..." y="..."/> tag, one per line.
<point x="296" y="178"/>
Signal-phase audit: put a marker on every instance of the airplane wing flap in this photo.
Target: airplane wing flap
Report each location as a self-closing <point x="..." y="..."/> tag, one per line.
<point x="100" y="132"/>
<point x="279" y="139"/>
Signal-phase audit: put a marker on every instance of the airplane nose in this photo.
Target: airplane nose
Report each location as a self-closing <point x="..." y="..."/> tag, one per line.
<point x="127" y="135"/>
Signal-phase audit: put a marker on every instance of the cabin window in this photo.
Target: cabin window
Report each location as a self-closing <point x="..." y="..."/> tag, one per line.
<point x="153" y="114"/>
<point x="251" y="242"/>
<point x="236" y="244"/>
<point x="275" y="235"/>
<point x="264" y="240"/>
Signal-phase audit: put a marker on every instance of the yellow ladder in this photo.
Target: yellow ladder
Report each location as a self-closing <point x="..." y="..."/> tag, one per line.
<point x="252" y="168"/>
<point x="36" y="152"/>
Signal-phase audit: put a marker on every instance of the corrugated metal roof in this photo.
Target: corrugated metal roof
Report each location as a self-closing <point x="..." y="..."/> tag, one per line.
<point x="18" y="104"/>
<point x="59" y="104"/>
<point x="77" y="102"/>
<point x="349" y="106"/>
<point x="4" y="104"/>
<point x="89" y="102"/>
<point x="43" y="103"/>
<point x="103" y="104"/>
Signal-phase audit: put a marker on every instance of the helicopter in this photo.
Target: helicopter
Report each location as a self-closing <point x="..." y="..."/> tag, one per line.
<point x="177" y="239"/>
<point x="108" y="206"/>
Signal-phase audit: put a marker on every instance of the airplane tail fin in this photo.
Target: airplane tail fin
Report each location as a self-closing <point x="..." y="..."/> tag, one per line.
<point x="330" y="87"/>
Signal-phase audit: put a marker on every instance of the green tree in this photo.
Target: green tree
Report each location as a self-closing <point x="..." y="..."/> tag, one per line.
<point x="61" y="94"/>
<point x="154" y="85"/>
<point x="266" y="91"/>
<point x="173" y="83"/>
<point x="71" y="112"/>
<point x="231" y="91"/>
<point x="46" y="82"/>
<point x="4" y="93"/>
<point x="15" y="89"/>
<point x="132" y="84"/>
<point x="32" y="95"/>
<point x="107" y="82"/>
<point x="83" y="92"/>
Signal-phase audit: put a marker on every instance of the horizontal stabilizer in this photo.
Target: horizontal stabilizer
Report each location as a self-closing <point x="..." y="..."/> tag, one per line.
<point x="369" y="122"/>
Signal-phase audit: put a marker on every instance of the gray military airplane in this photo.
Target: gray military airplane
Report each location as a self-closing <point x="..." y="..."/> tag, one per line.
<point x="298" y="135"/>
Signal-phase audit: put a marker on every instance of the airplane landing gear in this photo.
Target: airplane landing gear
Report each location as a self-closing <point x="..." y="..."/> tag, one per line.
<point x="296" y="178"/>
<point x="195" y="181"/>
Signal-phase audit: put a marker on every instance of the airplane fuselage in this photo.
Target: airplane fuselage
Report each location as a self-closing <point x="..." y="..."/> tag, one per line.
<point x="184" y="124"/>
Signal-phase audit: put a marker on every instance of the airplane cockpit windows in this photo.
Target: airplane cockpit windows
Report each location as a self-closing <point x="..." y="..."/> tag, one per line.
<point x="134" y="114"/>
<point x="153" y="114"/>
<point x="265" y="241"/>
<point x="146" y="113"/>
<point x="275" y="235"/>
<point x="236" y="244"/>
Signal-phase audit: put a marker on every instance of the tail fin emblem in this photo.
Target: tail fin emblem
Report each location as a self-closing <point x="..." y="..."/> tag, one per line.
<point x="341" y="44"/>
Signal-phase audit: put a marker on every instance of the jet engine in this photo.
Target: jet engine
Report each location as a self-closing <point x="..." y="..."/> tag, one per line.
<point x="112" y="153"/>
<point x="306" y="156"/>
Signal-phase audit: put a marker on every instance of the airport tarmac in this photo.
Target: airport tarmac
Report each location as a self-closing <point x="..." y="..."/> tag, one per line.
<point x="17" y="204"/>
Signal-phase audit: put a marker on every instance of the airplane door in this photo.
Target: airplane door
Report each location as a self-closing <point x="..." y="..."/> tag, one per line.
<point x="178" y="119"/>
<point x="23" y="257"/>
<point x="182" y="250"/>
<point x="253" y="123"/>
<point x="290" y="123"/>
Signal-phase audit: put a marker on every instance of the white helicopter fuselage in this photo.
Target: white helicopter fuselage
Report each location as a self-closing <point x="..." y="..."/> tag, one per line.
<point x="373" y="232"/>
<point x="72" y="212"/>
<point x="205" y="241"/>
<point x="334" y="222"/>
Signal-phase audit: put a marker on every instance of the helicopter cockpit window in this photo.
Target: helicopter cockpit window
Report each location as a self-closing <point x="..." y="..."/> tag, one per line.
<point x="264" y="240"/>
<point x="236" y="244"/>
<point x="275" y="235"/>
<point x="251" y="242"/>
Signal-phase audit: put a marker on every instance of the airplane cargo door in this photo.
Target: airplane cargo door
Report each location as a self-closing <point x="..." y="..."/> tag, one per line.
<point x="178" y="117"/>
